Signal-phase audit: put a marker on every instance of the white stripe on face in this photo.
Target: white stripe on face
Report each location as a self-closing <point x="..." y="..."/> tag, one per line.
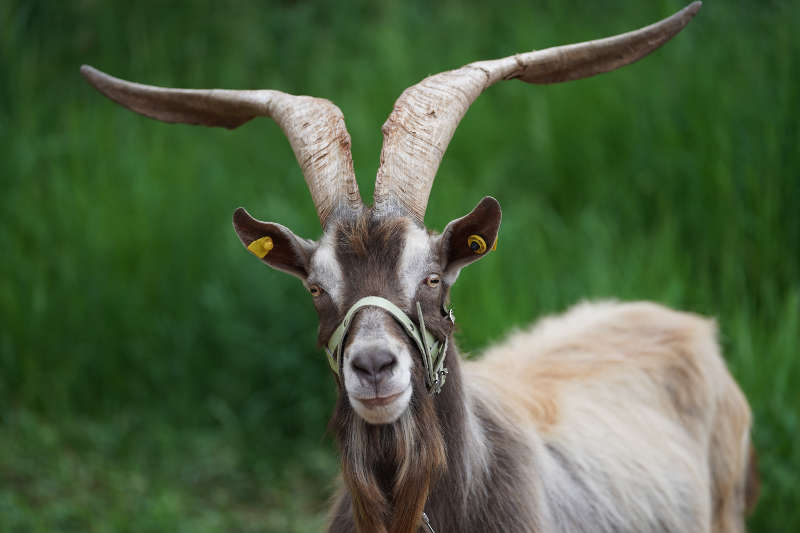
<point x="414" y="261"/>
<point x="325" y="269"/>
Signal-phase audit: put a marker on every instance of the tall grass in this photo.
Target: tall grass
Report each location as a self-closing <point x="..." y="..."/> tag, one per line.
<point x="153" y="377"/>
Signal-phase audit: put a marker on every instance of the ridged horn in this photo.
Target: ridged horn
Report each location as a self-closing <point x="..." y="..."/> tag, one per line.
<point x="314" y="126"/>
<point x="424" y="118"/>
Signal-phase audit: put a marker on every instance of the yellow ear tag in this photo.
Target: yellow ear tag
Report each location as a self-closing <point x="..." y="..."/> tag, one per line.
<point x="476" y="244"/>
<point x="260" y="247"/>
<point x="494" y="246"/>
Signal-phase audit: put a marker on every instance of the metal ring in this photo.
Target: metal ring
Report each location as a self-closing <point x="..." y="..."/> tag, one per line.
<point x="476" y="244"/>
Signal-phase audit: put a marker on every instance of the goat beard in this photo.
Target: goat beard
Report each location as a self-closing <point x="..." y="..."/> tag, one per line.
<point x="390" y="469"/>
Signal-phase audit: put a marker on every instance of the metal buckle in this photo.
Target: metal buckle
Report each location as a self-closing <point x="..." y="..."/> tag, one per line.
<point x="438" y="383"/>
<point x="427" y="523"/>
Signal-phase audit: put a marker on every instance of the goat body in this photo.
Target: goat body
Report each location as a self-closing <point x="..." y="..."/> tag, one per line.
<point x="611" y="417"/>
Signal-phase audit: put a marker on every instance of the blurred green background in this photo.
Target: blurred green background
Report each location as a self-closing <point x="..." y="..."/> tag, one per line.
<point x="156" y="377"/>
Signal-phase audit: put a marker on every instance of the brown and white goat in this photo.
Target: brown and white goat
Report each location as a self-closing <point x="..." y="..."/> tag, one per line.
<point x="609" y="418"/>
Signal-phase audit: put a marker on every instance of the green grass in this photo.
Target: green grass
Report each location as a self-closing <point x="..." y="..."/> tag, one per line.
<point x="154" y="377"/>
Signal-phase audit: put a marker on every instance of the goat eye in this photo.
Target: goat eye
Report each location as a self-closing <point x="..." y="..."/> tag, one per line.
<point x="315" y="290"/>
<point x="432" y="280"/>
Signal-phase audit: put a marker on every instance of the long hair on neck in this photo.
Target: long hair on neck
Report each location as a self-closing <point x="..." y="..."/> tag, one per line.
<point x="389" y="469"/>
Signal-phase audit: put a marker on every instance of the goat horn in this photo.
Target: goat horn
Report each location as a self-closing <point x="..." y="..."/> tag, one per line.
<point x="424" y="118"/>
<point x="315" y="128"/>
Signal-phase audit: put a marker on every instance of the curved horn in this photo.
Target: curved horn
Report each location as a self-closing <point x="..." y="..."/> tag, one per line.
<point x="424" y="118"/>
<point x="315" y="128"/>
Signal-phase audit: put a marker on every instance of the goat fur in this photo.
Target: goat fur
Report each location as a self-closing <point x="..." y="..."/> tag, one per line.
<point x="612" y="417"/>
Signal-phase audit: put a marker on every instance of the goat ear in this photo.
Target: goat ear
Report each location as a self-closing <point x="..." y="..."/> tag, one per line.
<point x="274" y="244"/>
<point x="469" y="238"/>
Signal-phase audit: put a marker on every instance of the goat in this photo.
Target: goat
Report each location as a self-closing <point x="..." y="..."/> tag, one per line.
<point x="611" y="417"/>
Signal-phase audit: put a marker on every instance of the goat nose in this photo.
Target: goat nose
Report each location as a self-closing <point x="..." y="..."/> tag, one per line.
<point x="374" y="365"/>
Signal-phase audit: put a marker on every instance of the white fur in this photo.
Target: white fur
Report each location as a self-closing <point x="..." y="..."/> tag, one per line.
<point x="414" y="261"/>
<point x="326" y="271"/>
<point x="630" y="414"/>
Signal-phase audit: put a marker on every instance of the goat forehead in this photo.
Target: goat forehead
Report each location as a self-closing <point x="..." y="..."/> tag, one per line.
<point x="377" y="256"/>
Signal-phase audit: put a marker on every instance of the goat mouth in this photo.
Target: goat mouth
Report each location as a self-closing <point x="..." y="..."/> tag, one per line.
<point x="379" y="401"/>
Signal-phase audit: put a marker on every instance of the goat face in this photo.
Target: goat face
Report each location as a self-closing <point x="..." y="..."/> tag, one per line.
<point x="373" y="254"/>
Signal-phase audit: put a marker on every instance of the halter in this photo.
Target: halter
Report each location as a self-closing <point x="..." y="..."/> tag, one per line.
<point x="433" y="351"/>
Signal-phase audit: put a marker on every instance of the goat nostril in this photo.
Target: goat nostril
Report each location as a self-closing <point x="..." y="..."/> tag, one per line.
<point x="383" y="362"/>
<point x="377" y="364"/>
<point x="387" y="366"/>
<point x="361" y="365"/>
